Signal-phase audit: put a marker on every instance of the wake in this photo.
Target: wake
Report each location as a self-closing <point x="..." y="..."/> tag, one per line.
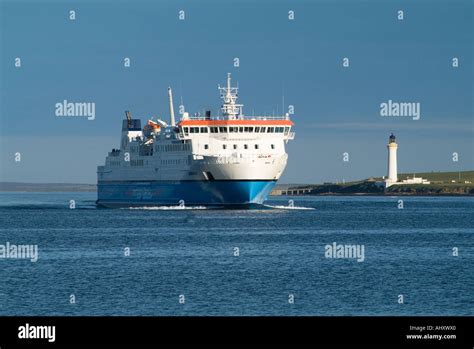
<point x="159" y="208"/>
<point x="281" y="207"/>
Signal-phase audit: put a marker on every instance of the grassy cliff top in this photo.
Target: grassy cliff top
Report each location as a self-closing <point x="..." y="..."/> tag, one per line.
<point x="439" y="176"/>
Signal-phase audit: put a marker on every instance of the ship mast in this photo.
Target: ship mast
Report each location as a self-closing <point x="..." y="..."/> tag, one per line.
<point x="229" y="94"/>
<point x="170" y="96"/>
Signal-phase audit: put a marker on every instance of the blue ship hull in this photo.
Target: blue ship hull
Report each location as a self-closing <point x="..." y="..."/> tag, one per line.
<point x="206" y="193"/>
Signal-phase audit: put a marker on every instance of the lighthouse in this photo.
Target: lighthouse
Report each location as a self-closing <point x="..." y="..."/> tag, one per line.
<point x="392" y="161"/>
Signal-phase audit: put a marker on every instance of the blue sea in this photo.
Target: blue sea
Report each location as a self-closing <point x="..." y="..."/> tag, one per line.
<point x="197" y="261"/>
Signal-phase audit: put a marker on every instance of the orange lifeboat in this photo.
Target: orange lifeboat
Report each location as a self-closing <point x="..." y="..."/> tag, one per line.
<point x="154" y="125"/>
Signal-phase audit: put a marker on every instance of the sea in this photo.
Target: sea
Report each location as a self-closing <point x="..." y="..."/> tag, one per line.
<point x="292" y="256"/>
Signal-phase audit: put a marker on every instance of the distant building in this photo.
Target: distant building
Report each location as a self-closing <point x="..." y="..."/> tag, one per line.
<point x="414" y="180"/>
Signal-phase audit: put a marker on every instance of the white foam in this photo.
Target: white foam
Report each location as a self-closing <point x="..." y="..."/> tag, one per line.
<point x="152" y="208"/>
<point x="281" y="207"/>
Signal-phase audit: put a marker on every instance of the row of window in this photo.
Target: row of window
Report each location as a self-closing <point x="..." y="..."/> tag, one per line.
<point x="173" y="147"/>
<point x="140" y="162"/>
<point x="175" y="162"/>
<point x="235" y="129"/>
<point x="136" y="162"/>
<point x="234" y="146"/>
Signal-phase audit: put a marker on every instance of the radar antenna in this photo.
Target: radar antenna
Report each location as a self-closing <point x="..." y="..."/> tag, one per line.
<point x="229" y="96"/>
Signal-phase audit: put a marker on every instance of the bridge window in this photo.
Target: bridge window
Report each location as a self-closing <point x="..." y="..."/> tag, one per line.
<point x="203" y="129"/>
<point x="136" y="162"/>
<point x="250" y="129"/>
<point x="222" y="129"/>
<point x="270" y="129"/>
<point x="287" y="129"/>
<point x="246" y="129"/>
<point x="257" y="129"/>
<point x="262" y="130"/>
<point x="241" y="129"/>
<point x="214" y="130"/>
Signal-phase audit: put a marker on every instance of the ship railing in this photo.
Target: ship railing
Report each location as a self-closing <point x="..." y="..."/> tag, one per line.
<point x="272" y="117"/>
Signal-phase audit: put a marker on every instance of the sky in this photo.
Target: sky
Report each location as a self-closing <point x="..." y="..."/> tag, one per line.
<point x="336" y="108"/>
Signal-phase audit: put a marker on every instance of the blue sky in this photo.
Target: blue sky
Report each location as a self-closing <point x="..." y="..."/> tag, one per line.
<point x="337" y="109"/>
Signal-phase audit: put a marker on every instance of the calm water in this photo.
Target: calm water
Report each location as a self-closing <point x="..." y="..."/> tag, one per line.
<point x="191" y="252"/>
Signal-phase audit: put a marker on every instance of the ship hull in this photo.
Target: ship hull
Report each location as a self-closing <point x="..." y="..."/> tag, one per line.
<point x="227" y="193"/>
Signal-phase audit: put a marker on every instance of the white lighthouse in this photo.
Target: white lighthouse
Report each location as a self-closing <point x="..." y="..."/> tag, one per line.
<point x="392" y="176"/>
<point x="392" y="161"/>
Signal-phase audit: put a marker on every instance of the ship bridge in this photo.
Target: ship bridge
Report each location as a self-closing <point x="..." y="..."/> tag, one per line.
<point x="232" y="123"/>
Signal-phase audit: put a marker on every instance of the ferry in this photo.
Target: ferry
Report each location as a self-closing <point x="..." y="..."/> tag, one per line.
<point x="227" y="160"/>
